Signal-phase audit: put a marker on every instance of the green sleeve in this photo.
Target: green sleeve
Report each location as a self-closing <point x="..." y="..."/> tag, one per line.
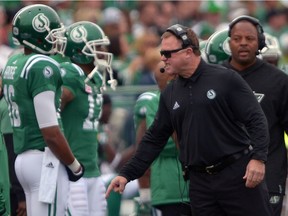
<point x="3" y="211"/>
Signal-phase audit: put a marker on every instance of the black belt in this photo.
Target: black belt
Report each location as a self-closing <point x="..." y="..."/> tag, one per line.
<point x="215" y="168"/>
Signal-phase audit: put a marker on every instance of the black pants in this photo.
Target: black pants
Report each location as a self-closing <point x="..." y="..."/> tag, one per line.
<point x="175" y="209"/>
<point x="225" y="193"/>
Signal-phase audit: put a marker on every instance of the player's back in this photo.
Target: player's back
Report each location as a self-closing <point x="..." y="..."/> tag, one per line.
<point x="25" y="76"/>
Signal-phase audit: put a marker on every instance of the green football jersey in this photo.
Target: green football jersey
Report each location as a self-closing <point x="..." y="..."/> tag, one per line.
<point x="166" y="181"/>
<point x="80" y="116"/>
<point x="25" y="76"/>
<point x="4" y="116"/>
<point x="4" y="180"/>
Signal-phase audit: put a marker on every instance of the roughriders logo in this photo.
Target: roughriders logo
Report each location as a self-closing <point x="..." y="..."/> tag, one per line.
<point x="211" y="94"/>
<point x="78" y="33"/>
<point x="40" y="23"/>
<point x="226" y="47"/>
<point x="48" y="72"/>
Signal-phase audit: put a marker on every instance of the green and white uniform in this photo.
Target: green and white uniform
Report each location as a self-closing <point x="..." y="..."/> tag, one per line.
<point x="26" y="77"/>
<point x="166" y="181"/>
<point x="80" y="122"/>
<point x="4" y="181"/>
<point x="80" y="116"/>
<point x="16" y="191"/>
<point x="5" y="119"/>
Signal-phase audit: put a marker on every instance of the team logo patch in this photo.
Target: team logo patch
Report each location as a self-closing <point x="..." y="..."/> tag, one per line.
<point x="211" y="94"/>
<point x="259" y="96"/>
<point x="15" y="30"/>
<point x="179" y="29"/>
<point x="78" y="33"/>
<point x="225" y="47"/>
<point x="274" y="199"/>
<point x="48" y="72"/>
<point x="40" y="23"/>
<point x="88" y="89"/>
<point x="176" y="106"/>
<point x="143" y="110"/>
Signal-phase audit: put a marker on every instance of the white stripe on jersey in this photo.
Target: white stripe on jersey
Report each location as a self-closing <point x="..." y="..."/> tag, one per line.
<point x="147" y="96"/>
<point x="34" y="59"/>
<point x="80" y="71"/>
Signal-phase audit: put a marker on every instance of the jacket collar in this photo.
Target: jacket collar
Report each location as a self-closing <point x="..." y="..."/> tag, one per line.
<point x="195" y="75"/>
<point x="258" y="63"/>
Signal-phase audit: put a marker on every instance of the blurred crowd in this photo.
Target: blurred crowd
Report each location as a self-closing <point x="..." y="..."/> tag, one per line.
<point x="134" y="27"/>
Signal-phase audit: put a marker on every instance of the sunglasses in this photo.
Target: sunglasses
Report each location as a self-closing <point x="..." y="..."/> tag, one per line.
<point x="167" y="53"/>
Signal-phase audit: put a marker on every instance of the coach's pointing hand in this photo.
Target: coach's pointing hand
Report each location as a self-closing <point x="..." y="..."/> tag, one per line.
<point x="117" y="184"/>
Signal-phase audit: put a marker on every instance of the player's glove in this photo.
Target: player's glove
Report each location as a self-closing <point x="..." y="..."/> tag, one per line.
<point x="75" y="176"/>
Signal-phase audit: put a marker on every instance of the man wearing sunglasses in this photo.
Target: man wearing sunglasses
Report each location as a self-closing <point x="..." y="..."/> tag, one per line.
<point x="221" y="128"/>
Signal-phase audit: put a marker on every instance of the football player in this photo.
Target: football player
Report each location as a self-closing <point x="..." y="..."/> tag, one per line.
<point x="32" y="87"/>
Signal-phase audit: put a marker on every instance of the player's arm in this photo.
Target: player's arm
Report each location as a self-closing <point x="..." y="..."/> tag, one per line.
<point x="47" y="119"/>
<point x="66" y="97"/>
<point x="126" y="155"/>
<point x="175" y="139"/>
<point x="141" y="129"/>
<point x="144" y="181"/>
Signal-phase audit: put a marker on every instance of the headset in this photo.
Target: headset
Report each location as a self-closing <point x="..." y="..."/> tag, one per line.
<point x="180" y="32"/>
<point x="255" y="22"/>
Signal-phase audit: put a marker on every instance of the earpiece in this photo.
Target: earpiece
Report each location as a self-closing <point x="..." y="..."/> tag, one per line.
<point x="255" y="22"/>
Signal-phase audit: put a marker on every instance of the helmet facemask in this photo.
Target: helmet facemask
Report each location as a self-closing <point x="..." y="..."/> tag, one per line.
<point x="102" y="59"/>
<point x="57" y="38"/>
<point x="96" y="49"/>
<point x="272" y="51"/>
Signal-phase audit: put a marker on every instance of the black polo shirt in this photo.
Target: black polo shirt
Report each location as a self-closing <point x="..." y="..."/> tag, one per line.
<point x="214" y="113"/>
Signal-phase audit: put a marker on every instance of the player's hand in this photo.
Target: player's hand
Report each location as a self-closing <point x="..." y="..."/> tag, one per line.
<point x="21" y="210"/>
<point x="117" y="184"/>
<point x="255" y="172"/>
<point x="75" y="176"/>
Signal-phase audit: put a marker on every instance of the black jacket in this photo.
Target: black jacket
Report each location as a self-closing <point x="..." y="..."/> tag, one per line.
<point x="214" y="113"/>
<point x="270" y="86"/>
